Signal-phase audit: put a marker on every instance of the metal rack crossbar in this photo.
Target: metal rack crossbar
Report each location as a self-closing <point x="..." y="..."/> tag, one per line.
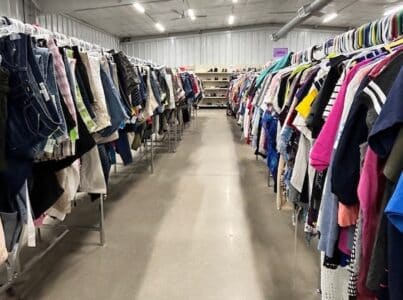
<point x="13" y="264"/>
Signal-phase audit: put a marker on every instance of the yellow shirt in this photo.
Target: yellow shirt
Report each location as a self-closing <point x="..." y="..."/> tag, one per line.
<point x="304" y="107"/>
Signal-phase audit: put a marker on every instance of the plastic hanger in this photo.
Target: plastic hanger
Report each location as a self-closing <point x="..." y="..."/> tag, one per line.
<point x="394" y="44"/>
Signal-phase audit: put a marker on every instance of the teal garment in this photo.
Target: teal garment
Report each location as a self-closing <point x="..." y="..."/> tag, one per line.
<point x="278" y="65"/>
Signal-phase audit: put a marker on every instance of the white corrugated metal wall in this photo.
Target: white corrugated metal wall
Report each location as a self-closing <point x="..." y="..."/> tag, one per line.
<point x="71" y="27"/>
<point x="60" y="23"/>
<point x="240" y="47"/>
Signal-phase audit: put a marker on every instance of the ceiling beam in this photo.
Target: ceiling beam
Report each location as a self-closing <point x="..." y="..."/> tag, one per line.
<point x="235" y="28"/>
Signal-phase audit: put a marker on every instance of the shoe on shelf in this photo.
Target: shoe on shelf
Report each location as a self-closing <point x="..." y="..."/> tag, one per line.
<point x="209" y="71"/>
<point x="216" y="70"/>
<point x="216" y="78"/>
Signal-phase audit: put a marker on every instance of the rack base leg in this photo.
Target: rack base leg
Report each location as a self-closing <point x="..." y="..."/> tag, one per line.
<point x="101" y="220"/>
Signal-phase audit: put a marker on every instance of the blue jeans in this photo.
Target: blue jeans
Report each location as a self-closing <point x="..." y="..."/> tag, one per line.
<point x="115" y="110"/>
<point x="45" y="62"/>
<point x="123" y="148"/>
<point x="29" y="121"/>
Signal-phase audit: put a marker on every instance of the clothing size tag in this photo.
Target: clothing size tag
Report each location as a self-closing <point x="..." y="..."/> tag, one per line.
<point x="50" y="146"/>
<point x="44" y="91"/>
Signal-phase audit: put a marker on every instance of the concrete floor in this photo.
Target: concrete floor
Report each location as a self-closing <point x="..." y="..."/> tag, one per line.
<point x="203" y="227"/>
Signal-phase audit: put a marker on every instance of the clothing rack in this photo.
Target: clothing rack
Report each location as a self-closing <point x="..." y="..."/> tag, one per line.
<point x="372" y="34"/>
<point x="380" y="34"/>
<point x="13" y="264"/>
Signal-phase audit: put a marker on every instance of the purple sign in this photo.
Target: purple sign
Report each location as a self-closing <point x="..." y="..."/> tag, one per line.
<point x="279" y="52"/>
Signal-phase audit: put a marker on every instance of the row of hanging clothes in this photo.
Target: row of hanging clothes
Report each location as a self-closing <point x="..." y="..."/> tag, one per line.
<point x="67" y="109"/>
<point x="330" y="127"/>
<point x="238" y="87"/>
<point x="192" y="86"/>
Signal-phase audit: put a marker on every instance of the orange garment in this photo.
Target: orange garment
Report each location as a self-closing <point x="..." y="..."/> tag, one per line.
<point x="348" y="214"/>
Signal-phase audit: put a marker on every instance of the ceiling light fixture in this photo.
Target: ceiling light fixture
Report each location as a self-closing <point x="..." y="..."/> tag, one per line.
<point x="393" y="9"/>
<point x="140" y="8"/>
<point x="234" y="1"/>
<point x="191" y="14"/>
<point x="160" y="27"/>
<point x="329" y="17"/>
<point x="231" y="19"/>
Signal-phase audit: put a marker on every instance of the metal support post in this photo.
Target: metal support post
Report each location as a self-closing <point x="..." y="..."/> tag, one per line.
<point x="152" y="155"/>
<point x="101" y="220"/>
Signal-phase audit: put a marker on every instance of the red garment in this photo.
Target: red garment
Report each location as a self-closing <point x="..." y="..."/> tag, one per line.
<point x="370" y="190"/>
<point x="195" y="85"/>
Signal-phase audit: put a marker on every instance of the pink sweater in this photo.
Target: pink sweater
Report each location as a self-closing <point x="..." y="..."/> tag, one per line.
<point x="370" y="189"/>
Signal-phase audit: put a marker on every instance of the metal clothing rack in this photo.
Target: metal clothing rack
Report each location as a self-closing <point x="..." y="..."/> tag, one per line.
<point x="145" y="152"/>
<point x="13" y="264"/>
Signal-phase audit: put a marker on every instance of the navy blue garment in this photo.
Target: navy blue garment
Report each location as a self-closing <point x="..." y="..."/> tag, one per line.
<point x="29" y="120"/>
<point x="385" y="129"/>
<point x="395" y="262"/>
<point x="83" y="82"/>
<point x="44" y="59"/>
<point x="270" y="122"/>
<point x="105" y="161"/>
<point x="84" y="94"/>
<point x="187" y="86"/>
<point x="123" y="147"/>
<point x="113" y="105"/>
<point x="110" y="149"/>
<point x="143" y="87"/>
<point x="358" y="125"/>
<point x="156" y="89"/>
<point x="4" y="76"/>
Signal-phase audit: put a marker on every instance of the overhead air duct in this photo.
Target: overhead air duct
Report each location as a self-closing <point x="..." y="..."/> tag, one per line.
<point x="304" y="13"/>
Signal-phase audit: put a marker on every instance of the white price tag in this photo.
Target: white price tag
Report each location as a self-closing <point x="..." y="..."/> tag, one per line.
<point x="50" y="146"/>
<point x="44" y="91"/>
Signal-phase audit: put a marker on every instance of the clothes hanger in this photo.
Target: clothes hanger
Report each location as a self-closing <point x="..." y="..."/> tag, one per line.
<point x="11" y="26"/>
<point x="394" y="44"/>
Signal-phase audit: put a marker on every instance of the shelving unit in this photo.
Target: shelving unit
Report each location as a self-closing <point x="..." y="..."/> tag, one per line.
<point x="215" y="88"/>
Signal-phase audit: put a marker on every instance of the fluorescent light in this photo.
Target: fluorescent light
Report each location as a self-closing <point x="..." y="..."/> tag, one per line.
<point x="329" y="17"/>
<point x="140" y="8"/>
<point x="231" y="19"/>
<point x="191" y="14"/>
<point x="234" y="1"/>
<point x="393" y="9"/>
<point x="160" y="27"/>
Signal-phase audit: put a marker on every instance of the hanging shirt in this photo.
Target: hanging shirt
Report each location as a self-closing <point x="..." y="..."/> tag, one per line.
<point x="366" y="108"/>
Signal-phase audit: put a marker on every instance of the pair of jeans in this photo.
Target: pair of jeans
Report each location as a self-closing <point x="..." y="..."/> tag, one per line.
<point x="123" y="147"/>
<point x="45" y="62"/>
<point x="105" y="161"/>
<point x="29" y="120"/>
<point x="4" y="74"/>
<point x="143" y="87"/>
<point x="112" y="98"/>
<point x="156" y="89"/>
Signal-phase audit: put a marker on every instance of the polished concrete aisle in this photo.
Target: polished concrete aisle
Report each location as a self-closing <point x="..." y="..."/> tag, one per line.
<point x="203" y="227"/>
